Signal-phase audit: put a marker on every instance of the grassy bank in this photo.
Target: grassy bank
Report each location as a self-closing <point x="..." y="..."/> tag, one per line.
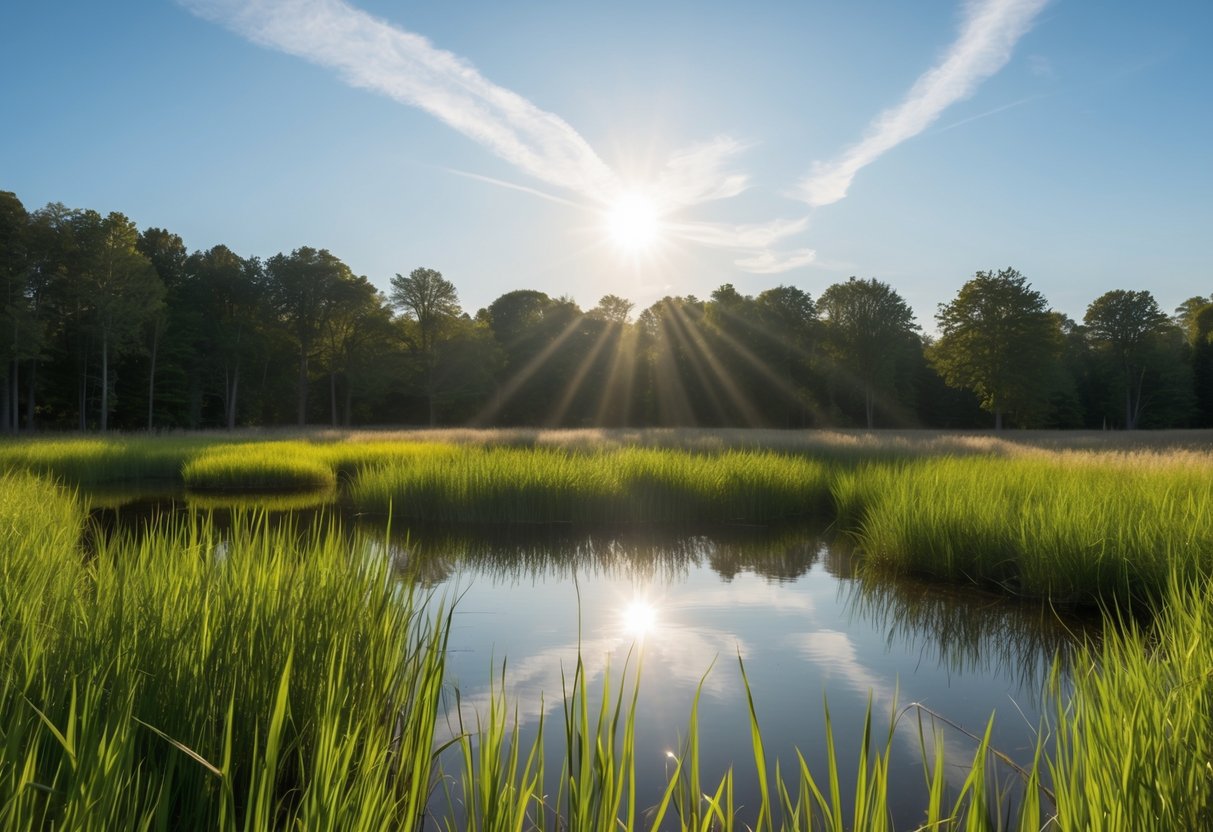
<point x="1073" y="529"/>
<point x="272" y="681"/>
<point x="278" y="677"/>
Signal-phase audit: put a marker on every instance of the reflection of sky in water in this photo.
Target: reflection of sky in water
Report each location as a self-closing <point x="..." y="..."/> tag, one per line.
<point x="685" y="605"/>
<point x="801" y="640"/>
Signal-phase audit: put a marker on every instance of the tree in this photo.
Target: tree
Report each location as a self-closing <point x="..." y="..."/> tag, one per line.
<point x="612" y="309"/>
<point x="303" y="288"/>
<point x="431" y="301"/>
<point x="120" y="288"/>
<point x="868" y="331"/>
<point x="998" y="339"/>
<point x="1126" y="326"/>
<point x="19" y="335"/>
<point x="166" y="252"/>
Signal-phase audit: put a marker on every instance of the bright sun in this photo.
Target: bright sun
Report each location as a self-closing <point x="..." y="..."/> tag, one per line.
<point x="639" y="618"/>
<point x="633" y="222"/>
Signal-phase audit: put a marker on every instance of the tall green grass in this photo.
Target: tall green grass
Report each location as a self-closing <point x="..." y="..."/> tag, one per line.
<point x="265" y="679"/>
<point x="546" y="485"/>
<point x="1071" y="529"/>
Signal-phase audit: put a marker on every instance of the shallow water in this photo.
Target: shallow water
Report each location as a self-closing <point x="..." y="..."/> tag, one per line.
<point x="688" y="608"/>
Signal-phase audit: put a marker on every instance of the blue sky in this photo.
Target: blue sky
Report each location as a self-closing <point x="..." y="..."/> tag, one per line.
<point x="777" y="143"/>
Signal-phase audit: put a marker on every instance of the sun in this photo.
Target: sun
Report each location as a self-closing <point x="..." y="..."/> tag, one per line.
<point x="639" y="618"/>
<point x="633" y="222"/>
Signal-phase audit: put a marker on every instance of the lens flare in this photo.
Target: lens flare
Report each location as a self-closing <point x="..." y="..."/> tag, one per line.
<point x="633" y="222"/>
<point x="639" y="618"/>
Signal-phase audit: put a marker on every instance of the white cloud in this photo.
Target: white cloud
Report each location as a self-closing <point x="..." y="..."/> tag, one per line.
<point x="722" y="235"/>
<point x="771" y="262"/>
<point x="697" y="174"/>
<point x="375" y="55"/>
<point x="988" y="35"/>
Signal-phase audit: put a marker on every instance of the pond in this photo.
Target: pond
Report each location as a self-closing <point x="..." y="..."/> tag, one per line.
<point x="689" y="608"/>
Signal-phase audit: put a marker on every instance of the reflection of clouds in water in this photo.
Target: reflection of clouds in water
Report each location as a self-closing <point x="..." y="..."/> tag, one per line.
<point x="669" y="650"/>
<point x="834" y="652"/>
<point x="743" y="593"/>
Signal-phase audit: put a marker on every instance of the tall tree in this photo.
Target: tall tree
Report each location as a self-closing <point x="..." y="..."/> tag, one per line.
<point x="869" y="331"/>
<point x="1126" y="326"/>
<point x="18" y="333"/>
<point x="166" y="252"/>
<point x="998" y="339"/>
<point x="430" y="300"/>
<point x="303" y="289"/>
<point x="122" y="289"/>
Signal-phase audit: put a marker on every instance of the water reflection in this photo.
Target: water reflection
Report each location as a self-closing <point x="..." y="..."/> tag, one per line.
<point x="792" y="602"/>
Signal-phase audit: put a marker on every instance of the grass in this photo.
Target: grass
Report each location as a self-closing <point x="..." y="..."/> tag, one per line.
<point x="1079" y="530"/>
<point x="166" y="682"/>
<point x="284" y="679"/>
<point x="557" y="485"/>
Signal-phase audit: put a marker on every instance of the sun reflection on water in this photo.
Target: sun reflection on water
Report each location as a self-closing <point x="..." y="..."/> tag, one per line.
<point x="639" y="618"/>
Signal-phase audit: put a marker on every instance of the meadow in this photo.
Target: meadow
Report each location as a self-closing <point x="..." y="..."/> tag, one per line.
<point x="277" y="676"/>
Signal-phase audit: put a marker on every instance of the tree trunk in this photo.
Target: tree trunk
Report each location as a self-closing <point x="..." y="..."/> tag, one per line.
<point x="29" y="398"/>
<point x="1129" y="405"/>
<point x="869" y="406"/>
<point x="105" y="381"/>
<point x="301" y="416"/>
<point x="6" y="409"/>
<point x="998" y="419"/>
<point x="151" y="379"/>
<point x="333" y="398"/>
<point x="231" y="397"/>
<point x="349" y="401"/>
<point x="429" y="391"/>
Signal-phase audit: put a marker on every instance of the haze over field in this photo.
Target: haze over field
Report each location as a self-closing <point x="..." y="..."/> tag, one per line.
<point x="637" y="151"/>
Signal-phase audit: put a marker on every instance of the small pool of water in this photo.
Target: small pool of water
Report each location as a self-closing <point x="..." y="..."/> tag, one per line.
<point x="689" y="608"/>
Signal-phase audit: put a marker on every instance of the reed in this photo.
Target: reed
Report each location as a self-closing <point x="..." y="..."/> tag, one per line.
<point x="274" y="681"/>
<point x="551" y="485"/>
<point x="1077" y="529"/>
<point x="260" y="467"/>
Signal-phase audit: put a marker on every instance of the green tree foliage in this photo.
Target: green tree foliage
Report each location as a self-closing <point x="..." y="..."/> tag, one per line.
<point x="20" y="335"/>
<point x="1200" y="345"/>
<point x="870" y="335"/>
<point x="1128" y="329"/>
<point x="431" y="302"/>
<point x="166" y="252"/>
<point x="102" y="326"/>
<point x="117" y="289"/>
<point x="304" y="289"/>
<point x="998" y="339"/>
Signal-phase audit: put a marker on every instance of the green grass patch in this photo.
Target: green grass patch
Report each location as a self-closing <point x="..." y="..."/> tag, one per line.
<point x="556" y="485"/>
<point x="1070" y="529"/>
<point x="260" y="466"/>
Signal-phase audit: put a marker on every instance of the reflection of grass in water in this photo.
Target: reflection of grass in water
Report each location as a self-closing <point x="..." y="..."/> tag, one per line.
<point x="968" y="630"/>
<point x="304" y="501"/>
<point x="512" y="553"/>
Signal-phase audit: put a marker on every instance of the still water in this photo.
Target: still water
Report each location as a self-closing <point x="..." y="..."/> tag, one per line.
<point x="689" y="608"/>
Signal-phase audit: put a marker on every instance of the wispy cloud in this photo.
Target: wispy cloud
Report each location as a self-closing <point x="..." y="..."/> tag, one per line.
<point x="771" y="262"/>
<point x="375" y="55"/>
<point x="990" y="30"/>
<point x="699" y="174"/>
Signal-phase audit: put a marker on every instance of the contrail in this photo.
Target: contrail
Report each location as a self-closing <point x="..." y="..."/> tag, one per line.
<point x="987" y="37"/>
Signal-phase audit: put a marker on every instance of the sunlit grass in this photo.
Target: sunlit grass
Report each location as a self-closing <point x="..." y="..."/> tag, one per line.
<point x="277" y="681"/>
<point x="287" y="680"/>
<point x="1073" y="529"/>
<point x="555" y="485"/>
<point x="260" y="467"/>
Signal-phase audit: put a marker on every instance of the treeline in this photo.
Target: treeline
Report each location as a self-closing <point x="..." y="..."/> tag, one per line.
<point x="104" y="326"/>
